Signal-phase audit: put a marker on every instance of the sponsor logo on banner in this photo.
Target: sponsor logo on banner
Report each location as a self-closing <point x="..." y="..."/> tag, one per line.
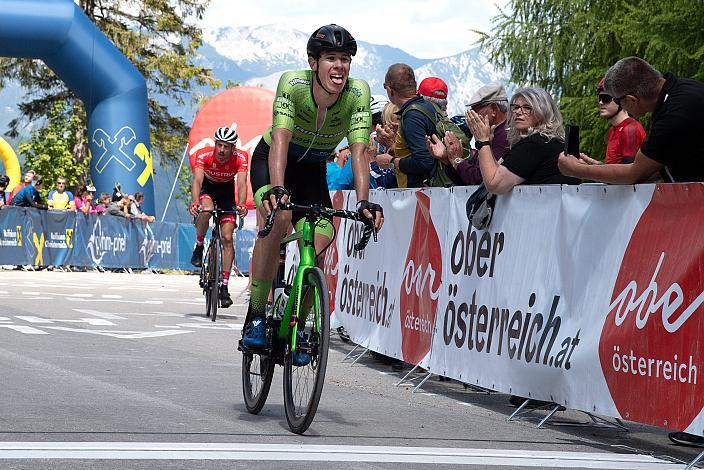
<point x="57" y="240"/>
<point x="420" y="285"/>
<point x="100" y="244"/>
<point x="151" y="245"/>
<point x="527" y="333"/>
<point x="363" y="291"/>
<point x="11" y="237"/>
<point x="331" y="255"/>
<point x="650" y="346"/>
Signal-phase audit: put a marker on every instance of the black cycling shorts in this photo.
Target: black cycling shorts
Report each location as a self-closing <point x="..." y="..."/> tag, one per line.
<point x="306" y="182"/>
<point x="222" y="194"/>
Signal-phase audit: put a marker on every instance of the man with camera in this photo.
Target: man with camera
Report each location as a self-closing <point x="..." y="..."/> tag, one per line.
<point x="674" y="146"/>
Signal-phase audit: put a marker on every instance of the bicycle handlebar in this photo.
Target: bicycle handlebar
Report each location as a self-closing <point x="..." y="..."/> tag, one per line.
<point x="369" y="228"/>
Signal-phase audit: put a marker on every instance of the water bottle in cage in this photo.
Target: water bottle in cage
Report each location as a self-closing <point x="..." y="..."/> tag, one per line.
<point x="280" y="298"/>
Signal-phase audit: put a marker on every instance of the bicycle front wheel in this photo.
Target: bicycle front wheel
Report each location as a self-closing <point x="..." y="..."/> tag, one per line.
<point x="257" y="372"/>
<point x="303" y="383"/>
<point x="214" y="271"/>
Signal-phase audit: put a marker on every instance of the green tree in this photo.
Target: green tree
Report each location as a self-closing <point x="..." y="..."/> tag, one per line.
<point x="158" y="37"/>
<point x="566" y="46"/>
<point x="50" y="151"/>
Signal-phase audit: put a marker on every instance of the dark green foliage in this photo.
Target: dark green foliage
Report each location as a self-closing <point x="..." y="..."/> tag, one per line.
<point x="566" y="46"/>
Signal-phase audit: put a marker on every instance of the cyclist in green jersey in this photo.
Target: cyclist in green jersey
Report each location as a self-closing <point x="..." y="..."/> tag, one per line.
<point x="313" y="111"/>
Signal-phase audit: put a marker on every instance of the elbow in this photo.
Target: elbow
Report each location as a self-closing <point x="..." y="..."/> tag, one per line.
<point x="497" y="187"/>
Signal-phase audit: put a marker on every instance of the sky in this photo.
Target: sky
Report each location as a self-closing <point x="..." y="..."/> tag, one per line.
<point x="426" y="29"/>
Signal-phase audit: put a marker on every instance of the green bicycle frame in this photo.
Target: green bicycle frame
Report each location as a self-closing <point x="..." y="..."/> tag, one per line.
<point x="293" y="304"/>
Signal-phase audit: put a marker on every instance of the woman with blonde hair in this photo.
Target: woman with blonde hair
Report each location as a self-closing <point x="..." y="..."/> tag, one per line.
<point x="536" y="136"/>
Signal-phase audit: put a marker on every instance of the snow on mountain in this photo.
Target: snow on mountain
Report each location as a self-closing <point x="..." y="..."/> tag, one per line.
<point x="264" y="52"/>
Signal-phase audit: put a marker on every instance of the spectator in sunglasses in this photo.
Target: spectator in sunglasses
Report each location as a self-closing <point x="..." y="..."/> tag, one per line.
<point x="674" y="145"/>
<point x="625" y="135"/>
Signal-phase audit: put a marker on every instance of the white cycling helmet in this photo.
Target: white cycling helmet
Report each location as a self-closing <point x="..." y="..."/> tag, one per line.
<point x="226" y="134"/>
<point x="377" y="103"/>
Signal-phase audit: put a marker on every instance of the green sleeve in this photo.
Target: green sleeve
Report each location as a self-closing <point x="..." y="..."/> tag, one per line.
<point x="361" y="118"/>
<point x="284" y="107"/>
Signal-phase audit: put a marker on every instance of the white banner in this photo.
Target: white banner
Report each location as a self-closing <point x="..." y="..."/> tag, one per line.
<point x="590" y="296"/>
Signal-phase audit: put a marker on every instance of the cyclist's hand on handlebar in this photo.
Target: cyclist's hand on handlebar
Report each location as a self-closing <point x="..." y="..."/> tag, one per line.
<point x="242" y="211"/>
<point x="371" y="211"/>
<point x="273" y="197"/>
<point x="193" y="208"/>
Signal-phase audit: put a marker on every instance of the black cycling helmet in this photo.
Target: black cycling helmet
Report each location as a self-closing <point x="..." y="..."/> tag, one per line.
<point x="331" y="38"/>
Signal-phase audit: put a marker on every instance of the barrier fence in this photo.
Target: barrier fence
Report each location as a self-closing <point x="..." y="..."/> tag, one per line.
<point x="44" y="238"/>
<point x="589" y="296"/>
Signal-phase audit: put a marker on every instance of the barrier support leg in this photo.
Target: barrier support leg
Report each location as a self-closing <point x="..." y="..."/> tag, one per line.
<point x="351" y="352"/>
<point x="518" y="410"/>
<point x="694" y="462"/>
<point x="547" y="418"/>
<point x="359" y="356"/>
<point x="425" y="379"/>
<point x="407" y="375"/>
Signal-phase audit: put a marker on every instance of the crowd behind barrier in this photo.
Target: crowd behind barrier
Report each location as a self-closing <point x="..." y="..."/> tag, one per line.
<point x="49" y="238"/>
<point x="579" y="295"/>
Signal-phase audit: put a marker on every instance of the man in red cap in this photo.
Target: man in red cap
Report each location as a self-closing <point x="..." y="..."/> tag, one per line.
<point x="434" y="89"/>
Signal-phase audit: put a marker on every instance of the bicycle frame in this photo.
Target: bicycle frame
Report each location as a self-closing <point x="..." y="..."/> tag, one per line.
<point x="293" y="303"/>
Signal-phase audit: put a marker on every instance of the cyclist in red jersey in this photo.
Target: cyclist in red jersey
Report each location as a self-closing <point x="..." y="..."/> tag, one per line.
<point x="213" y="183"/>
<point x="625" y="135"/>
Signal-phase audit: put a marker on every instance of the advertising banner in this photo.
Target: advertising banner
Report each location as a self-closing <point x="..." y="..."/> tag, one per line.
<point x="387" y="295"/>
<point x="590" y="296"/>
<point x="14" y="244"/>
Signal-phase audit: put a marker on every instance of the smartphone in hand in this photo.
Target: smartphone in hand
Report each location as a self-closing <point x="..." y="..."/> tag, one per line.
<point x="572" y="140"/>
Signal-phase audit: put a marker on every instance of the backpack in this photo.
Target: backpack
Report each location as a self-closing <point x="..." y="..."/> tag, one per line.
<point x="439" y="176"/>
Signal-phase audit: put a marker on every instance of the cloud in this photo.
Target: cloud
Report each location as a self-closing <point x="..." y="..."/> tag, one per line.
<point x="421" y="28"/>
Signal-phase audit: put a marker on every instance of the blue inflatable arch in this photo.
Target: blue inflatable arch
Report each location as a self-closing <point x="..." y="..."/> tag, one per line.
<point x="113" y="91"/>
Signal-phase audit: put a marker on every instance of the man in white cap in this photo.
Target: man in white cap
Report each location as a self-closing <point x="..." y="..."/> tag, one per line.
<point x="490" y="101"/>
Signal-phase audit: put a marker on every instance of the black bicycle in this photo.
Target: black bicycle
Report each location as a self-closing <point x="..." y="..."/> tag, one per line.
<point x="300" y="307"/>
<point x="211" y="269"/>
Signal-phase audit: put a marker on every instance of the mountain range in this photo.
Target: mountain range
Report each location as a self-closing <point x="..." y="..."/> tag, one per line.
<point x="258" y="55"/>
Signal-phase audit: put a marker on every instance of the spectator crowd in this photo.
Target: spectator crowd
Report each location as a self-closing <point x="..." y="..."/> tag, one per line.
<point x="521" y="139"/>
<point x="60" y="199"/>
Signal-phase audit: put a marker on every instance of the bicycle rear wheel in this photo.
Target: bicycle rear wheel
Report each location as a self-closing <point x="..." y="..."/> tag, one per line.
<point x="205" y="281"/>
<point x="303" y="385"/>
<point x="257" y="372"/>
<point x="214" y="271"/>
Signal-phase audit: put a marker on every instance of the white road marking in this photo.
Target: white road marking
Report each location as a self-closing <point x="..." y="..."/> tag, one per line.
<point x="95" y="313"/>
<point x="327" y="453"/>
<point x="111" y="296"/>
<point x="205" y="326"/>
<point x="148" y="302"/>
<point x="30" y="293"/>
<point x="28" y="330"/>
<point x="5" y="319"/>
<point x="123" y="334"/>
<point x="3" y="292"/>
<point x="148" y="288"/>
<point x="90" y="321"/>
<point x="33" y="319"/>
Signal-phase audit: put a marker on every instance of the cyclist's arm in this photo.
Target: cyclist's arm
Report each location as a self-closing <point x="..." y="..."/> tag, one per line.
<point x="278" y="153"/>
<point x="196" y="184"/>
<point x="360" y="169"/>
<point x="242" y="188"/>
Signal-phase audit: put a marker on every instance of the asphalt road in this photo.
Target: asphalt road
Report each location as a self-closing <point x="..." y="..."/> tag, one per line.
<point x="118" y="371"/>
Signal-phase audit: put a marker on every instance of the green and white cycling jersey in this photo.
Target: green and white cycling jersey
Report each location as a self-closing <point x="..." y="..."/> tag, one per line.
<point x="295" y="109"/>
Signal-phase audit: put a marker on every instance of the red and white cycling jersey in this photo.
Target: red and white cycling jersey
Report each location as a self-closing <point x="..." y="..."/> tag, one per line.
<point x="221" y="172"/>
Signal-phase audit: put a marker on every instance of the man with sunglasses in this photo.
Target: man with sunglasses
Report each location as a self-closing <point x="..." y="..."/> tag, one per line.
<point x="625" y="135"/>
<point x="59" y="199"/>
<point x="674" y="145"/>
